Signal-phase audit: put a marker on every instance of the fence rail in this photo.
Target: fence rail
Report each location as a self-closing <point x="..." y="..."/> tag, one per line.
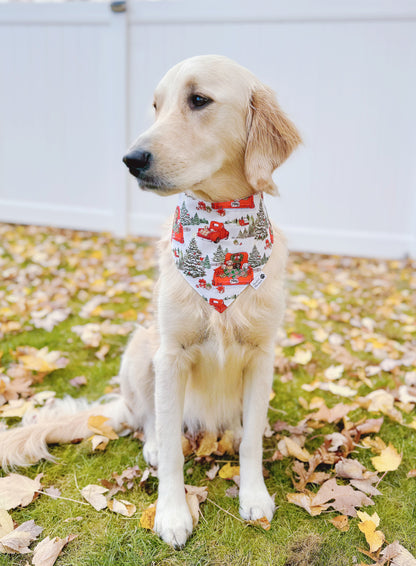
<point x="76" y="86"/>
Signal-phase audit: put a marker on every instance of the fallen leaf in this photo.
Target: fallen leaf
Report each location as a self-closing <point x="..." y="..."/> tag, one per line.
<point x="341" y="523"/>
<point x="302" y="356"/>
<point x="99" y="442"/>
<point x="53" y="492"/>
<point x="228" y="471"/>
<point x="397" y="555"/>
<point x="212" y="472"/>
<point x="263" y="523"/>
<point x="147" y="520"/>
<point x="18" y="540"/>
<point x="374" y="538"/>
<point x="78" y="381"/>
<point x="48" y="550"/>
<point x="94" y="495"/>
<point x="388" y="460"/>
<point x="208" y="445"/>
<point x="226" y="443"/>
<point x="304" y="500"/>
<point x="342" y="498"/>
<point x="296" y="451"/>
<point x="122" y="507"/>
<point x="6" y="523"/>
<point x="18" y="491"/>
<point x="97" y="424"/>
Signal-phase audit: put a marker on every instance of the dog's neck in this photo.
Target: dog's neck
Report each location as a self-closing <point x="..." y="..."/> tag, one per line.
<point x="221" y="185"/>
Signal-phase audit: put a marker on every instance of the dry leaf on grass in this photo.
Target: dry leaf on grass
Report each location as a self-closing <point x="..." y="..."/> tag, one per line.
<point x="147" y="520"/>
<point x="18" y="540"/>
<point x="397" y="555"/>
<point x="6" y="523"/>
<point x="194" y="496"/>
<point x="48" y="550"/>
<point x="94" y="495"/>
<point x="304" y="500"/>
<point x="263" y="523"/>
<point x="342" y="498"/>
<point x="296" y="451"/>
<point x="368" y="526"/>
<point x="208" y="445"/>
<point x="388" y="460"/>
<point x="97" y="424"/>
<point x="122" y="507"/>
<point x="99" y="442"/>
<point x="17" y="490"/>
<point x="212" y="472"/>
<point x="341" y="523"/>
<point x="228" y="472"/>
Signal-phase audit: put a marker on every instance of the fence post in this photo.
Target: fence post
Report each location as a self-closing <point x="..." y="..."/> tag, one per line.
<point x="118" y="84"/>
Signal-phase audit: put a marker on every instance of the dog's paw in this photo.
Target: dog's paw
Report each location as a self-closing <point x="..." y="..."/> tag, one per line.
<point x="150" y="453"/>
<point x="255" y="504"/>
<point x="173" y="523"/>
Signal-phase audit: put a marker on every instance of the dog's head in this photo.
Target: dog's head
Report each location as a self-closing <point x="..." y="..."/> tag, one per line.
<point x="218" y="133"/>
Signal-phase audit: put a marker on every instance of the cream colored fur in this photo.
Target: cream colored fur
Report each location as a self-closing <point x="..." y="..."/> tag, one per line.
<point x="198" y="368"/>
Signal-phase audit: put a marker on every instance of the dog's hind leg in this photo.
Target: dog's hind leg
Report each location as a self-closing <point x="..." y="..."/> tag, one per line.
<point x="137" y="387"/>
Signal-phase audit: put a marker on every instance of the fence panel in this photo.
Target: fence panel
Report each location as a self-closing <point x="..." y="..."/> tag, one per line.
<point x="62" y="115"/>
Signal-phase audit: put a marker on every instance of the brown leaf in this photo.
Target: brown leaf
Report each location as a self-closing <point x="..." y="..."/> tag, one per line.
<point x="48" y="550"/>
<point x="341" y="523"/>
<point x="332" y="415"/>
<point x="122" y="507"/>
<point x="342" y="498"/>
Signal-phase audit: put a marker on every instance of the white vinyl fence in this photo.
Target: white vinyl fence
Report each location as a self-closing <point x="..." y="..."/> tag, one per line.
<point x="76" y="82"/>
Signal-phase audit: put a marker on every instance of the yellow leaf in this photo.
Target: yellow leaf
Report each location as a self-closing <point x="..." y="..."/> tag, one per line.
<point x="186" y="446"/>
<point x="341" y="523"/>
<point x="131" y="314"/>
<point x="208" y="444"/>
<point x="226" y="443"/>
<point x="374" y="538"/>
<point x="388" y="461"/>
<point x="228" y="471"/>
<point x="147" y="520"/>
<point x="363" y="516"/>
<point x="96" y="424"/>
<point x="296" y="451"/>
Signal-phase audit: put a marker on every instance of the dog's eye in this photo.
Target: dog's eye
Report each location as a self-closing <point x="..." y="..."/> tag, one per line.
<point x="154" y="106"/>
<point x="197" y="101"/>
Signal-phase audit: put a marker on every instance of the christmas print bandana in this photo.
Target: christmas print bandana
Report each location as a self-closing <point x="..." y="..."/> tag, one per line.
<point x="221" y="247"/>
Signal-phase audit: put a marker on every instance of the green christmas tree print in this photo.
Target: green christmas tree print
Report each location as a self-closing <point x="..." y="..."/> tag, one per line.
<point x="185" y="218"/>
<point x="192" y="264"/>
<point x="206" y="263"/>
<point x="219" y="255"/>
<point x="254" y="259"/>
<point x="195" y="219"/>
<point x="261" y="227"/>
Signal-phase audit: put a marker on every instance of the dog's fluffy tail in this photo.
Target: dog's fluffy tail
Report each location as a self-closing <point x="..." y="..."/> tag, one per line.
<point x="65" y="420"/>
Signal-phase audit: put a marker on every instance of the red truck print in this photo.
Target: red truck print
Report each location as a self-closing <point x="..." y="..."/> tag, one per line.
<point x="218" y="304"/>
<point x="243" y="222"/>
<point x="177" y="230"/>
<point x="215" y="232"/>
<point x="201" y="205"/>
<point x="242" y="203"/>
<point x="234" y="271"/>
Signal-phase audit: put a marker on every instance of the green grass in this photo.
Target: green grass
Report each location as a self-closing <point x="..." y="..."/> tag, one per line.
<point x="295" y="538"/>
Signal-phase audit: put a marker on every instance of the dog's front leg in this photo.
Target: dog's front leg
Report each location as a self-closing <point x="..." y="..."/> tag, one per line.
<point x="173" y="521"/>
<point x="255" y="501"/>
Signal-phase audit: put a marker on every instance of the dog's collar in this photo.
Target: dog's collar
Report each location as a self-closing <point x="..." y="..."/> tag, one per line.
<point x="221" y="247"/>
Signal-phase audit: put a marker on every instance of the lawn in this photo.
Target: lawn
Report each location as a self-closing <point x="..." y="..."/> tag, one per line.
<point x="68" y="301"/>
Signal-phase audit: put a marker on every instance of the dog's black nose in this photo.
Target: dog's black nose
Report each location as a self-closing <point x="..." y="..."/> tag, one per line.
<point x="138" y="160"/>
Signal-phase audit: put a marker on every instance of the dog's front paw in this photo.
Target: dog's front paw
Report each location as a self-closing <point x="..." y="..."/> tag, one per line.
<point x="173" y="523"/>
<point x="255" y="504"/>
<point x="150" y="453"/>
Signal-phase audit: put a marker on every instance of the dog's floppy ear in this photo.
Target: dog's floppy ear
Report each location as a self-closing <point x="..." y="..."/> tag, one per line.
<point x="271" y="139"/>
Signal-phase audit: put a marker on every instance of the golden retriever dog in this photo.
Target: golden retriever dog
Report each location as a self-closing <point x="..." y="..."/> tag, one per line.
<point x="218" y="136"/>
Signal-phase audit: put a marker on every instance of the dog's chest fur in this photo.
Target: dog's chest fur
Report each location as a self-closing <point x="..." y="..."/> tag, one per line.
<point x="218" y="346"/>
